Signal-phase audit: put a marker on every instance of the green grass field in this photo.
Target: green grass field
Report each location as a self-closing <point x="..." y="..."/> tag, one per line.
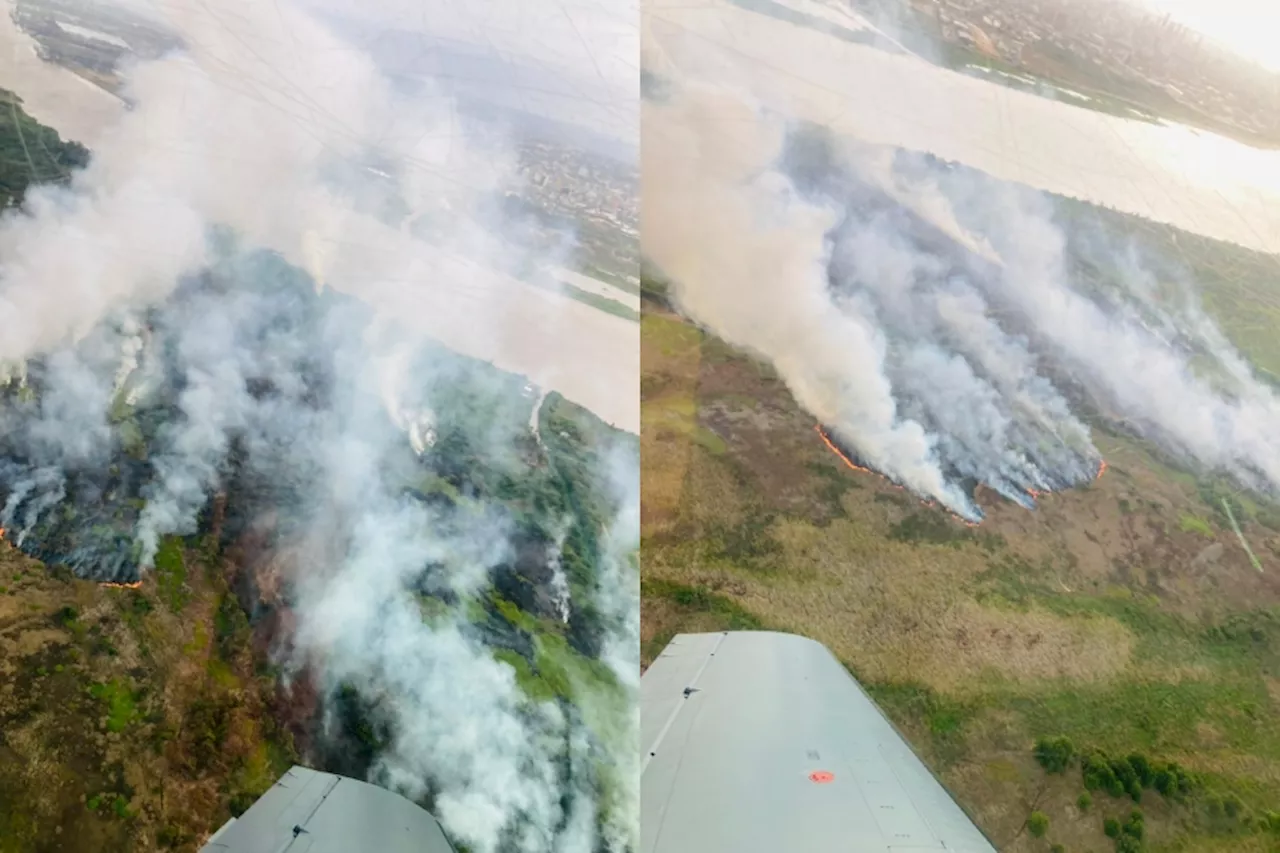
<point x="601" y="303"/>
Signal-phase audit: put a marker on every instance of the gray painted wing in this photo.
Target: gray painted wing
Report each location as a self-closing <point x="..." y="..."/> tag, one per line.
<point x="757" y="742"/>
<point x="312" y="812"/>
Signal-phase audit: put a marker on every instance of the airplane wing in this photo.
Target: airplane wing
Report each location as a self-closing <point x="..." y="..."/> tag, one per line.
<point x="322" y="813"/>
<point x="760" y="742"/>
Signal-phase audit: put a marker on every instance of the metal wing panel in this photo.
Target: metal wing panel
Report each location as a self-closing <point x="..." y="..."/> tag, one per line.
<point x="662" y="686"/>
<point x="307" y="810"/>
<point x="775" y="747"/>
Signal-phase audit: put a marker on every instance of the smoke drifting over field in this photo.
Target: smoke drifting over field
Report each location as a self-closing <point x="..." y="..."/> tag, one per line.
<point x="171" y="364"/>
<point x="945" y="327"/>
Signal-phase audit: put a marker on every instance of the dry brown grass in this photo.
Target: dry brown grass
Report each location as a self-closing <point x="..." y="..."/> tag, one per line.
<point x="890" y="608"/>
<point x="670" y="361"/>
<point x="57" y="752"/>
<point x="660" y="619"/>
<point x="1034" y="621"/>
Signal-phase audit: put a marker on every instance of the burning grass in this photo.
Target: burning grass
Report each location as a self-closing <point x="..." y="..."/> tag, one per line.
<point x="550" y="498"/>
<point x="313" y="452"/>
<point x="848" y="461"/>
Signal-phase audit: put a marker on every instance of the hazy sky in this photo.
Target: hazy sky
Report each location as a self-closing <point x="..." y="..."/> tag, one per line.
<point x="1248" y="27"/>
<point x="570" y="60"/>
<point x="573" y="61"/>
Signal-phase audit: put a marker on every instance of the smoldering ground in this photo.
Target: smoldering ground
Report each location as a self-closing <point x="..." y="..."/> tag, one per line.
<point x="947" y="328"/>
<point x="171" y="348"/>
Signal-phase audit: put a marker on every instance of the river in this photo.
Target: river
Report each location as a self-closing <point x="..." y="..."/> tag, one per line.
<point x="52" y="95"/>
<point x="1196" y="180"/>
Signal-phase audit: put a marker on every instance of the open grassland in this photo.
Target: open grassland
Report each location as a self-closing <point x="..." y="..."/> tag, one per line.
<point x="133" y="719"/>
<point x="1124" y="616"/>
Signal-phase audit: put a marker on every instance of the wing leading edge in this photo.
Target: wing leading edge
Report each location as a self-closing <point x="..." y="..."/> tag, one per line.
<point x="759" y="742"/>
<point x="315" y="812"/>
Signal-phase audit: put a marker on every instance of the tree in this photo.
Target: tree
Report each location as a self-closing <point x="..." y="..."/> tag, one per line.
<point x="1142" y="769"/>
<point x="1111" y="827"/>
<point x="1134" y="827"/>
<point x="1038" y="824"/>
<point x="1125" y="773"/>
<point x="1084" y="801"/>
<point x="1055" y="754"/>
<point x="1099" y="774"/>
<point x="1128" y="844"/>
<point x="1185" y="781"/>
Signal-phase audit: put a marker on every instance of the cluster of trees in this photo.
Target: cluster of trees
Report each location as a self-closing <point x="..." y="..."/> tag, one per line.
<point x="1134" y="774"/>
<point x="1130" y="776"/>
<point x="31" y="153"/>
<point x="1128" y="835"/>
<point x="1116" y="776"/>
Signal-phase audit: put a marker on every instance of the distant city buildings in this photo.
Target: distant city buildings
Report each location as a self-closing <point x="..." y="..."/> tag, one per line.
<point x="1112" y="41"/>
<point x="573" y="183"/>
<point x="599" y="196"/>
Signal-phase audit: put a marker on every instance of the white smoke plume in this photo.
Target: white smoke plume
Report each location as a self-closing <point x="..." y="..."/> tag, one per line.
<point x="618" y="599"/>
<point x="749" y="258"/>
<point x="271" y="130"/>
<point x="934" y="319"/>
<point x="1129" y="363"/>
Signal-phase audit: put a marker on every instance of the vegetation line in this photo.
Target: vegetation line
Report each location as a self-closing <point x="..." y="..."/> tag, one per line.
<point x="594" y="300"/>
<point x="612" y="279"/>
<point x="602" y="303"/>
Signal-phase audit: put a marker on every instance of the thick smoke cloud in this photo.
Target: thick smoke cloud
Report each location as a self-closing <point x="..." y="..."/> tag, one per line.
<point x="749" y="258"/>
<point x="162" y="345"/>
<point x="265" y="124"/>
<point x="1136" y="361"/>
<point x="940" y="323"/>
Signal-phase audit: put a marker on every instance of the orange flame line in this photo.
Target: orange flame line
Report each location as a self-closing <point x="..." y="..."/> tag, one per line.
<point x="1034" y="493"/>
<point x="838" y="452"/>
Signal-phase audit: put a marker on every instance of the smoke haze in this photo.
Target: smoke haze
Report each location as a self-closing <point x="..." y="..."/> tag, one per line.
<point x="938" y="322"/>
<point x="169" y="336"/>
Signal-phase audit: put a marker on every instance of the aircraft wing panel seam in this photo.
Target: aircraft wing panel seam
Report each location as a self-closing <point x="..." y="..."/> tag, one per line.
<point x="675" y="712"/>
<point x="688" y="691"/>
